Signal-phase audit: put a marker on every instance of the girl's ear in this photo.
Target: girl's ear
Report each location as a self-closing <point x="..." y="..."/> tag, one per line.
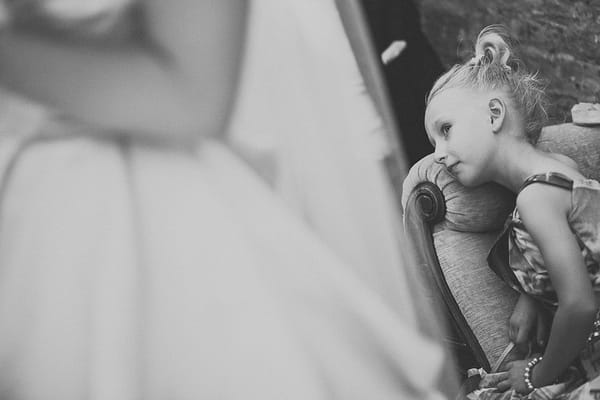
<point x="497" y="110"/>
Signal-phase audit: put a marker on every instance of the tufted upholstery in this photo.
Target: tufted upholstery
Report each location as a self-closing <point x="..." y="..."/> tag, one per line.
<point x="480" y="209"/>
<point x="453" y="228"/>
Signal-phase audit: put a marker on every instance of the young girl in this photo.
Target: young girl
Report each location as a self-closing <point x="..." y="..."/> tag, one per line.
<point x="139" y="257"/>
<point x="484" y="118"/>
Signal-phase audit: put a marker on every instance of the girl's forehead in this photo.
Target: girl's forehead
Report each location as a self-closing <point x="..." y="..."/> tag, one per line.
<point x="453" y="101"/>
<point x="442" y="102"/>
<point x="455" y="97"/>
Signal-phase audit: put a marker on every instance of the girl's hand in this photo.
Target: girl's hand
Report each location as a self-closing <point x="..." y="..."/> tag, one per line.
<point x="515" y="379"/>
<point x="527" y="324"/>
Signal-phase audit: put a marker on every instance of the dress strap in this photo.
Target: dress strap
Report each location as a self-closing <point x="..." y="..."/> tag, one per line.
<point x="549" y="178"/>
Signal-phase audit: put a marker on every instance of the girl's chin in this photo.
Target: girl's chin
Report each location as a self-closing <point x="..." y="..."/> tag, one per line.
<point x="467" y="180"/>
<point x="462" y="175"/>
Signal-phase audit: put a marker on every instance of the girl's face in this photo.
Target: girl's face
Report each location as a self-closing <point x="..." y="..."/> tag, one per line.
<point x="458" y="125"/>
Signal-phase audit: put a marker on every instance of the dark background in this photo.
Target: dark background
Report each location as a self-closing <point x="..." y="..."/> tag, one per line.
<point x="561" y="39"/>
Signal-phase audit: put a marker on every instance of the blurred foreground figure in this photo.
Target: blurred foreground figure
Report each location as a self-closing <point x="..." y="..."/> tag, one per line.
<point x="140" y="258"/>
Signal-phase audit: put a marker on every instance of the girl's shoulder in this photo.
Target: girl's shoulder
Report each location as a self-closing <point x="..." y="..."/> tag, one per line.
<point x="551" y="168"/>
<point x="568" y="161"/>
<point x="548" y="192"/>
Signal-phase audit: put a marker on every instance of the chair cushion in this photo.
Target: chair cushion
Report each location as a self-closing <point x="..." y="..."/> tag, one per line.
<point x="484" y="300"/>
<point x="581" y="143"/>
<point x="480" y="209"/>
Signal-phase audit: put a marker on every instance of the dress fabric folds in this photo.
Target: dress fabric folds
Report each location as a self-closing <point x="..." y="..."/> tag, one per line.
<point x="138" y="271"/>
<point x="304" y="112"/>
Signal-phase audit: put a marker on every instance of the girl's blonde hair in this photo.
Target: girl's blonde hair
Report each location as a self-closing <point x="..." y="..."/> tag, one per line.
<point x="495" y="67"/>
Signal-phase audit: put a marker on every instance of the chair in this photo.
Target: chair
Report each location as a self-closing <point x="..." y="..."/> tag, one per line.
<point x="452" y="229"/>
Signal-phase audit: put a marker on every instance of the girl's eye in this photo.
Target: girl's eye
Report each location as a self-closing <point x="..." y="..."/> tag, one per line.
<point x="445" y="129"/>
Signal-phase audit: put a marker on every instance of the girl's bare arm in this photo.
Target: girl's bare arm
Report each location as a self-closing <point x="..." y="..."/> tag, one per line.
<point x="177" y="81"/>
<point x="543" y="210"/>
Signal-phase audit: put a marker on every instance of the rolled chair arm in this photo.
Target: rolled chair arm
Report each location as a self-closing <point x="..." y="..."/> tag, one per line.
<point x="425" y="207"/>
<point x="429" y="202"/>
<point x="451" y="227"/>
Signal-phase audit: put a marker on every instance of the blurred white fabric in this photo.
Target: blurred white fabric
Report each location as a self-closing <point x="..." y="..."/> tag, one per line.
<point x="305" y="116"/>
<point x="82" y="9"/>
<point x="130" y="271"/>
<point x="82" y="17"/>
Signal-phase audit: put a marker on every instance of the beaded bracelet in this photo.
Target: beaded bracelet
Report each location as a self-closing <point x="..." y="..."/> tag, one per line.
<point x="528" y="372"/>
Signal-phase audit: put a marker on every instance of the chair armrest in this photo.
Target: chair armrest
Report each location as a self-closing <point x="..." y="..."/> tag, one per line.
<point x="437" y="211"/>
<point x="425" y="207"/>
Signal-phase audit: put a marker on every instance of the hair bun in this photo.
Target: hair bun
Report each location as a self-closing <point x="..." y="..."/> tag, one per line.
<point x="493" y="46"/>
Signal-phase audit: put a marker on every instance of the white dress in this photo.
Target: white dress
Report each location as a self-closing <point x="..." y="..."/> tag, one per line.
<point x="136" y="272"/>
<point x="304" y="113"/>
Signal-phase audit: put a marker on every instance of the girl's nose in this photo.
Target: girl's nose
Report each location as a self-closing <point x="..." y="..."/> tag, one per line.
<point x="439" y="156"/>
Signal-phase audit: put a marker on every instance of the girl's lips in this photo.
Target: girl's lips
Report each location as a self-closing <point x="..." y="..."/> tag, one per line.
<point x="452" y="168"/>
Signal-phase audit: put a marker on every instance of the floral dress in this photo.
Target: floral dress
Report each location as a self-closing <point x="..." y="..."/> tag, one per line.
<point x="525" y="259"/>
<point x="526" y="273"/>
